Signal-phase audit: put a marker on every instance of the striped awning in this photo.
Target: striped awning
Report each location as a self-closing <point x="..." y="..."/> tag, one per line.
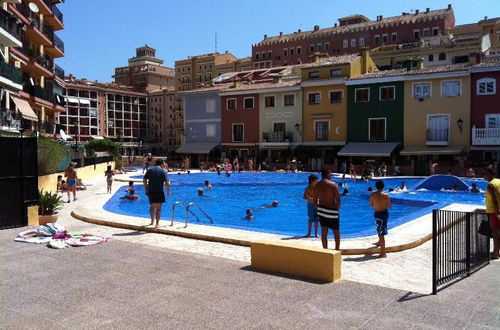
<point x="25" y="109"/>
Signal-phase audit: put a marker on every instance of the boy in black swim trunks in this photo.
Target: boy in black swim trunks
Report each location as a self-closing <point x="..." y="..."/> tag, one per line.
<point x="380" y="201"/>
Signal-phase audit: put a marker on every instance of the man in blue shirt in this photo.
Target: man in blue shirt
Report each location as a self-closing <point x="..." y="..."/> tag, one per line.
<point x="154" y="179"/>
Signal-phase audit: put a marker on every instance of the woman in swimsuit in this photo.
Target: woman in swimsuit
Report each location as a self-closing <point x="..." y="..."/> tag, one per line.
<point x="109" y="177"/>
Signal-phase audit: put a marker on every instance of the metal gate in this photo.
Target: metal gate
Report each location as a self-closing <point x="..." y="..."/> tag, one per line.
<point x="18" y="179"/>
<point x="458" y="249"/>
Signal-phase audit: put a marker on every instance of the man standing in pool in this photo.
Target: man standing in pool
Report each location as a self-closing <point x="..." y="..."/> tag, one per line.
<point x="154" y="179"/>
<point x="327" y="198"/>
<point x="381" y="202"/>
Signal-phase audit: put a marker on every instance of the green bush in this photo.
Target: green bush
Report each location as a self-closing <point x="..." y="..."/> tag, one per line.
<point x="105" y="145"/>
<point x="49" y="203"/>
<point x="51" y="154"/>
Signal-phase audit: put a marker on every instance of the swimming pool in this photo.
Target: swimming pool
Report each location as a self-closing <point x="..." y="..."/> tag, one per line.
<point x="231" y="196"/>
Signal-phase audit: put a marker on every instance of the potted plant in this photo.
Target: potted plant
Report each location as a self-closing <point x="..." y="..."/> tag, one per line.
<point x="49" y="205"/>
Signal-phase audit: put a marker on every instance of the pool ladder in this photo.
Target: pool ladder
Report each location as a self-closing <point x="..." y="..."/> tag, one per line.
<point x="188" y="211"/>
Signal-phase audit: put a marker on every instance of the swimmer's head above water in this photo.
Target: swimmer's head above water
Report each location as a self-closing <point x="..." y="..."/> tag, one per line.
<point x="275" y="203"/>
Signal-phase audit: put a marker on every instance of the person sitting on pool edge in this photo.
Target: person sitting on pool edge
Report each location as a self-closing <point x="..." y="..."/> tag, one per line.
<point x="131" y="195"/>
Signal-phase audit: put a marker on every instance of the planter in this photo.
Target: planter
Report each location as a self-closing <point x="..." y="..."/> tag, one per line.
<point x="45" y="219"/>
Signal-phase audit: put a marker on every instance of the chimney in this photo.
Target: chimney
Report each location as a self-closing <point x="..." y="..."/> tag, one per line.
<point x="427" y="9"/>
<point x="449" y="6"/>
<point x="281" y="34"/>
<point x="236" y="84"/>
<point x="299" y="30"/>
<point x="485" y="18"/>
<point x="335" y="25"/>
<point x="265" y="36"/>
<point x="475" y="58"/>
<point x="417" y="11"/>
<point x="316" y="27"/>
<point x="420" y="63"/>
<point x="365" y="54"/>
<point x="276" y="80"/>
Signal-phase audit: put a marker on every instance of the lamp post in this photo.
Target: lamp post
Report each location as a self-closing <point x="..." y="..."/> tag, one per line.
<point x="460" y="124"/>
<point x="77" y="123"/>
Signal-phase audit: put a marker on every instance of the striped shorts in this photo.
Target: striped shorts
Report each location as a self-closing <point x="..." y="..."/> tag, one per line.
<point x="328" y="217"/>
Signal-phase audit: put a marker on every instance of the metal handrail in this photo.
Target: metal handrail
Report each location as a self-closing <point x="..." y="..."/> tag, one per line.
<point x="199" y="208"/>
<point x="173" y="212"/>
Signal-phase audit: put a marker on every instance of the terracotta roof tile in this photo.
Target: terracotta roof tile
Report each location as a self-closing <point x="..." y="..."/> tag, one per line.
<point x="263" y="85"/>
<point x="334" y="60"/>
<point x="405" y="72"/>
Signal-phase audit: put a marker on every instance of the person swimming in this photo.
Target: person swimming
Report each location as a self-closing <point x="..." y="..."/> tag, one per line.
<point x="131" y="195"/>
<point x="345" y="192"/>
<point x="370" y="189"/>
<point x="474" y="188"/>
<point x="249" y="214"/>
<point x="208" y="185"/>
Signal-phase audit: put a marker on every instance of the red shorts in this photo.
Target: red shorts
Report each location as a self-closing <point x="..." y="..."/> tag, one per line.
<point x="494" y="220"/>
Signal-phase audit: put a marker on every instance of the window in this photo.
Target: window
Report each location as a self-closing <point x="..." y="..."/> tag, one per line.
<point x="269" y="101"/>
<point x="451" y="88"/>
<point x="279" y="127"/>
<point x="327" y="45"/>
<point x="289" y="100"/>
<point x="335" y="97"/>
<point x="320" y="47"/>
<point x="394" y="36"/>
<point x="376" y="129"/>
<point x="231" y="104"/>
<point x="311" y="48"/>
<point x="385" y="38"/>
<point x="435" y="31"/>
<point x="270" y="54"/>
<point x="416" y="34"/>
<point x="437" y="128"/>
<point x="362" y="95"/>
<point x="248" y="103"/>
<point x="292" y="51"/>
<point x="335" y="72"/>
<point x="263" y="55"/>
<point x="431" y="57"/>
<point x="321" y="128"/>
<point x="442" y="57"/>
<point x="210" y="129"/>
<point x="361" y="41"/>
<point x="422" y="90"/>
<point x="493" y="121"/>
<point x="353" y="42"/>
<point x="387" y="93"/>
<point x="285" y="52"/>
<point x="299" y="50"/>
<point x="486" y="86"/>
<point x="426" y="32"/>
<point x="238" y="132"/>
<point x="376" y="39"/>
<point x="345" y="43"/>
<point x="314" y="74"/>
<point x="210" y="106"/>
<point x="314" y="98"/>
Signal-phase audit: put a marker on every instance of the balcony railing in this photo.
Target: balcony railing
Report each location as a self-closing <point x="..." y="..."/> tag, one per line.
<point x="437" y="135"/>
<point x="46" y="127"/>
<point x="277" y="136"/>
<point x="9" y="24"/>
<point x="57" y="13"/>
<point x="485" y="136"/>
<point x="58" y="42"/>
<point x="48" y="31"/>
<point x="10" y="72"/>
<point x="8" y="119"/>
<point x="43" y="62"/>
<point x="40" y="92"/>
<point x="58" y="71"/>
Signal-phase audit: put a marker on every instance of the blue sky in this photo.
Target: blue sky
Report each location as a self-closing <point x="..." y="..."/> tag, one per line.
<point x="100" y="35"/>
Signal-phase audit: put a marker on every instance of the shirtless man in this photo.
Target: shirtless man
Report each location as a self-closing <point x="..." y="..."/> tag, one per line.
<point x="380" y="201"/>
<point x="71" y="179"/>
<point x="327" y="198"/>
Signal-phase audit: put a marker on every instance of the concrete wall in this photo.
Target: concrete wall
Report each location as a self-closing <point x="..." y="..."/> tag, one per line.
<point x="49" y="182"/>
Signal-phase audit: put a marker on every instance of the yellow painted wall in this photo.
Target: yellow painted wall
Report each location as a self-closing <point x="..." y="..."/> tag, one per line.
<point x="339" y="111"/>
<point x="324" y="72"/>
<point x="49" y="182"/>
<point x="416" y="112"/>
<point x="311" y="262"/>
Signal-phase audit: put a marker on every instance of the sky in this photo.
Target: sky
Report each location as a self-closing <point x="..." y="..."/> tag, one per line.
<point x="100" y="35"/>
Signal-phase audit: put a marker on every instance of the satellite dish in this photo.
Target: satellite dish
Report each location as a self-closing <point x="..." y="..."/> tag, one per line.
<point x="64" y="136"/>
<point x="33" y="7"/>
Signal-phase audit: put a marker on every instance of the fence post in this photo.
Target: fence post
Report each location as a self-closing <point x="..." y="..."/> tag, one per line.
<point x="467" y="241"/>
<point x="434" y="251"/>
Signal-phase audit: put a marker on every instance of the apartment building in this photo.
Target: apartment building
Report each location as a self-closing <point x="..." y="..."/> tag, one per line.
<point x="33" y="46"/>
<point x="351" y="33"/>
<point x="198" y="71"/>
<point x="240" y="64"/>
<point x="486" y="26"/>
<point x="145" y="72"/>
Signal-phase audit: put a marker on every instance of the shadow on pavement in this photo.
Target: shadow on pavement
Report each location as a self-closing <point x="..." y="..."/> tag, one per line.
<point x="412" y="295"/>
<point x="292" y="277"/>
<point x="133" y="233"/>
<point x="359" y="259"/>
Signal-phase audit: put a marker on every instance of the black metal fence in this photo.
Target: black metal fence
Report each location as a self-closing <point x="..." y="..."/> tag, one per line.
<point x="458" y="249"/>
<point x="18" y="179"/>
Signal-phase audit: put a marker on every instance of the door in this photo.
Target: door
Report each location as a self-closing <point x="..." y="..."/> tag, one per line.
<point x="438" y="128"/>
<point x="279" y="132"/>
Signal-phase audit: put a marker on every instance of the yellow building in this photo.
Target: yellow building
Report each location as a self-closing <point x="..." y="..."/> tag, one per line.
<point x="324" y="114"/>
<point x="436" y="115"/>
<point x="485" y="26"/>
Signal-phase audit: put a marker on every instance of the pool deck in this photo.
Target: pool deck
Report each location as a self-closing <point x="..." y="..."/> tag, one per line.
<point x="408" y="270"/>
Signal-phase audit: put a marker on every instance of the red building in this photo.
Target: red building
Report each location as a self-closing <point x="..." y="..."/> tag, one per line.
<point x="239" y="122"/>
<point x="485" y="110"/>
<point x="349" y="35"/>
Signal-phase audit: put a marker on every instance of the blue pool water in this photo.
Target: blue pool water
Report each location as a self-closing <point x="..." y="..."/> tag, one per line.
<point x="230" y="197"/>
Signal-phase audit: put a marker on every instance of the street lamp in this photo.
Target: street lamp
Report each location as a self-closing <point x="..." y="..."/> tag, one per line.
<point x="77" y="123"/>
<point x="460" y="124"/>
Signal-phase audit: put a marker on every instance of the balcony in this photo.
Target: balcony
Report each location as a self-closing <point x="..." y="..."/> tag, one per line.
<point x="12" y="74"/>
<point x="58" y="71"/>
<point x="8" y="120"/>
<point x="10" y="30"/>
<point x="277" y="137"/>
<point x="437" y="137"/>
<point x="39" y="65"/>
<point x="485" y="136"/>
<point x="46" y="128"/>
<point x="40" y="92"/>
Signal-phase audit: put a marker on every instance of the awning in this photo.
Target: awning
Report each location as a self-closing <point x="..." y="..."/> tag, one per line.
<point x="72" y="99"/>
<point x="196" y="148"/>
<point x="368" y="149"/>
<point x="82" y="101"/>
<point x="25" y="109"/>
<point x="431" y="151"/>
<point x="97" y="137"/>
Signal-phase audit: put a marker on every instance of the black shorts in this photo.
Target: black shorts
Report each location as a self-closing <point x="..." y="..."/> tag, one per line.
<point x="156" y="197"/>
<point x="328" y="217"/>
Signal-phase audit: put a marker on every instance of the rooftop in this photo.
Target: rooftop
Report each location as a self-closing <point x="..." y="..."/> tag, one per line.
<point x="406" y="72"/>
<point x="79" y="83"/>
<point x="333" y="60"/>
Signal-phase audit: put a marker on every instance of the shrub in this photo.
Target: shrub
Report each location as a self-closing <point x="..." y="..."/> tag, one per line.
<point x="51" y="155"/>
<point x="105" y="145"/>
